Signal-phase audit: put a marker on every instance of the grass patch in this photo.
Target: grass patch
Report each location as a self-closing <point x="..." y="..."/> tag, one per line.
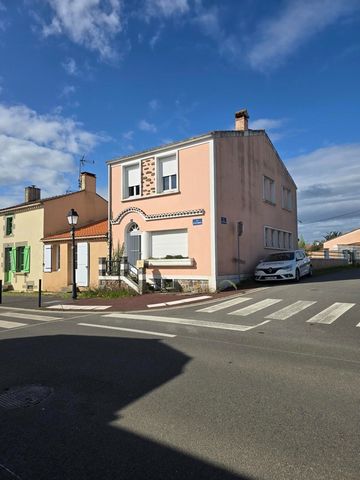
<point x="106" y="293"/>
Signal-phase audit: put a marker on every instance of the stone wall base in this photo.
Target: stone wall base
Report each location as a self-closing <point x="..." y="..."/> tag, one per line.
<point x="193" y="286"/>
<point x="113" y="284"/>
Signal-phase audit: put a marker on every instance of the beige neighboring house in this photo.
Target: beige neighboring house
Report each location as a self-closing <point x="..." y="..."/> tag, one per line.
<point x="23" y="226"/>
<point x="91" y="244"/>
<point x="348" y="241"/>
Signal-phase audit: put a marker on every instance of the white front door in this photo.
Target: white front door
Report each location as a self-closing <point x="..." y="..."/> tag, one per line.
<point x="82" y="267"/>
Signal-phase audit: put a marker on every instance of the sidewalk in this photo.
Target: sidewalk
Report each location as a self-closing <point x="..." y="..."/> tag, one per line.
<point x="150" y="301"/>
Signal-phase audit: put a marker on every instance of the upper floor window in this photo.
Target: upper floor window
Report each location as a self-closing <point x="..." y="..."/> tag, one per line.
<point x="8" y="225"/>
<point x="131" y="181"/>
<point x="167" y="173"/>
<point x="269" y="190"/>
<point x="286" y="198"/>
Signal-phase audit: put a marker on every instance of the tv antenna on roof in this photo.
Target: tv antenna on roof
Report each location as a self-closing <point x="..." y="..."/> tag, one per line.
<point x="82" y="162"/>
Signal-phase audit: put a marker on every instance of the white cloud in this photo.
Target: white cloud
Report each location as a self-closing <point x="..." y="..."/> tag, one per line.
<point x="68" y="90"/>
<point x="278" y="37"/>
<point x="166" y="8"/>
<point x="155" y="38"/>
<point x="154" y="104"/>
<point x="147" y="127"/>
<point x="271" y="125"/>
<point x="128" y="135"/>
<point x="39" y="149"/>
<point x="90" y="23"/>
<point x="267" y="124"/>
<point x="70" y="66"/>
<point x="328" y="186"/>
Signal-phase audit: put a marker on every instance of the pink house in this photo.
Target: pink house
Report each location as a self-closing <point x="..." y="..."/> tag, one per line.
<point x="204" y="210"/>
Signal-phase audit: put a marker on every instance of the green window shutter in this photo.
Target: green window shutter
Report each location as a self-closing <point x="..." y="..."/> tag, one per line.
<point x="13" y="260"/>
<point x="26" y="259"/>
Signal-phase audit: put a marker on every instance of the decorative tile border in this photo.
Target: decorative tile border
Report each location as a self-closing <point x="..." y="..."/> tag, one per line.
<point x="157" y="216"/>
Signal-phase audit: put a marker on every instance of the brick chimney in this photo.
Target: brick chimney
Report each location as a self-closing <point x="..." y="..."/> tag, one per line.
<point x="88" y="182"/>
<point x="32" y="194"/>
<point x="241" y="120"/>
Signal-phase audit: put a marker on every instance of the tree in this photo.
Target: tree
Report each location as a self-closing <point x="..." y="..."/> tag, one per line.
<point x="301" y="242"/>
<point x="331" y="235"/>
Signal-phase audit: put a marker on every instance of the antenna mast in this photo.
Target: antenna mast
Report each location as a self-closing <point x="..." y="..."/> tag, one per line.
<point x="82" y="162"/>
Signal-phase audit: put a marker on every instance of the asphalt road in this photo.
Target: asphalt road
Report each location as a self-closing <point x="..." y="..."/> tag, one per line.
<point x="214" y="394"/>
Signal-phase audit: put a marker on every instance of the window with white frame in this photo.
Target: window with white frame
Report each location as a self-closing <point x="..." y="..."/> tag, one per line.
<point x="277" y="239"/>
<point x="167" y="172"/>
<point x="269" y="190"/>
<point x="131" y="182"/>
<point x="286" y="198"/>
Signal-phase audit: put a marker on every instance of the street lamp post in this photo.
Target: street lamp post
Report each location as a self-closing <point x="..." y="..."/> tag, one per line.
<point x="73" y="217"/>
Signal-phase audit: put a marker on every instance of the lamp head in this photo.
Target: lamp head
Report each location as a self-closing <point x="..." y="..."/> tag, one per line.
<point x="72" y="217"/>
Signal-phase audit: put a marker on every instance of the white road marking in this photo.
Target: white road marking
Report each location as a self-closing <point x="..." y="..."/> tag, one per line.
<point x="179" y="302"/>
<point x="26" y="316"/>
<point x="185" y="321"/>
<point x="4" y="324"/>
<point x="330" y="314"/>
<point x="147" y="332"/>
<point x="255" y="307"/>
<point x="79" y="307"/>
<point x="358" y="325"/>
<point x="290" y="310"/>
<point x="223" y="305"/>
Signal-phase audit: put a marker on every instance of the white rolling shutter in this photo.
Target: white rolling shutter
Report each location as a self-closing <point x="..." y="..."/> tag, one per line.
<point x="47" y="258"/>
<point x="133" y="176"/>
<point x="168" y="166"/>
<point x="169" y="242"/>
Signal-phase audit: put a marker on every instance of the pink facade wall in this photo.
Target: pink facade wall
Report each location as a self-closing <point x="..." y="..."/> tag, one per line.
<point x="241" y="163"/>
<point x="193" y="193"/>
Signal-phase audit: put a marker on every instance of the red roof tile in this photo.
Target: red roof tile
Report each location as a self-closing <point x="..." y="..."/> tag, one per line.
<point x="98" y="229"/>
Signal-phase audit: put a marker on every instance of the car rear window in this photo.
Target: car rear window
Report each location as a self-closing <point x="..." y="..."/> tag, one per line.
<point x="280" y="257"/>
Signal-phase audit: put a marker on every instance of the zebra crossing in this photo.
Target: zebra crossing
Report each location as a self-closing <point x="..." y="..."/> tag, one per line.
<point x="27" y="319"/>
<point x="326" y="316"/>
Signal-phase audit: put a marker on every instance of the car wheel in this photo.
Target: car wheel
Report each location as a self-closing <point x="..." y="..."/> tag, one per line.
<point x="297" y="275"/>
<point x="310" y="273"/>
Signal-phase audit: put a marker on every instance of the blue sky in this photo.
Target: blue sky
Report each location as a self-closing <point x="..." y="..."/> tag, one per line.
<point x="109" y="77"/>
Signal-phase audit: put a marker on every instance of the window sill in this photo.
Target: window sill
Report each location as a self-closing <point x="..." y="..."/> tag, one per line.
<point x="144" y="197"/>
<point x="287" y="209"/>
<point x="269" y="202"/>
<point x="170" y="262"/>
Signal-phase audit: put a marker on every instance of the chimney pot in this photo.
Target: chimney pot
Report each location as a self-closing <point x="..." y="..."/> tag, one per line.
<point x="88" y="182"/>
<point x="32" y="194"/>
<point x="241" y="120"/>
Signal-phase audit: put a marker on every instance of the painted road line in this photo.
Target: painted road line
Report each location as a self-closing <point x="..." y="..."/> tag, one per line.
<point x="330" y="314"/>
<point x="358" y="325"/>
<point x="79" y="307"/>
<point x="26" y="316"/>
<point x="290" y="310"/>
<point x="132" y="330"/>
<point x="185" y="321"/>
<point x="225" y="304"/>
<point x="4" y="324"/>
<point x="188" y="300"/>
<point x="255" y="307"/>
<point x="179" y="302"/>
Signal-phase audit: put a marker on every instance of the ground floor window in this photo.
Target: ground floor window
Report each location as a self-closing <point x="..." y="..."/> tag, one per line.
<point x="169" y="243"/>
<point x="274" y="238"/>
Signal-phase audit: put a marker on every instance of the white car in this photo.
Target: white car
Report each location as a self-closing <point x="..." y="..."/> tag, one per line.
<point x="290" y="265"/>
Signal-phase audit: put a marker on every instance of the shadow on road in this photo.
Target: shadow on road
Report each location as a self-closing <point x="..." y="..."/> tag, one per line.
<point x="71" y="435"/>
